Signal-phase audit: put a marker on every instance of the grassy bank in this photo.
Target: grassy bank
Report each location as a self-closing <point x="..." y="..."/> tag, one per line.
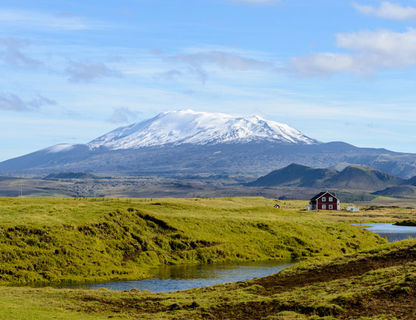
<point x="376" y="284"/>
<point x="371" y="214"/>
<point x="77" y="240"/>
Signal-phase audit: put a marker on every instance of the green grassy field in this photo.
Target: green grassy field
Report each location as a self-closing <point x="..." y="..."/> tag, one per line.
<point x="50" y="240"/>
<point x="84" y="240"/>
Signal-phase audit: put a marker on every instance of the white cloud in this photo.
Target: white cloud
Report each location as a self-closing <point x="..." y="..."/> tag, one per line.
<point x="383" y="42"/>
<point x="122" y="115"/>
<point x="11" y="53"/>
<point x="199" y="61"/>
<point x="321" y="64"/>
<point x="87" y="72"/>
<point x="371" y="51"/>
<point x="169" y="75"/>
<point x="388" y="10"/>
<point x="12" y="102"/>
<point x="223" y="60"/>
<point x="32" y="19"/>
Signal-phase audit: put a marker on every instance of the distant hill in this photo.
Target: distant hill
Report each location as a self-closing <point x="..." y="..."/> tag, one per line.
<point x="5" y="178"/>
<point x="70" y="175"/>
<point x="295" y="175"/>
<point x="363" y="178"/>
<point x="352" y="177"/>
<point x="411" y="181"/>
<point x="396" y="192"/>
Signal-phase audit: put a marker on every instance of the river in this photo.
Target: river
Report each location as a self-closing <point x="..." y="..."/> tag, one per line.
<point x="182" y="277"/>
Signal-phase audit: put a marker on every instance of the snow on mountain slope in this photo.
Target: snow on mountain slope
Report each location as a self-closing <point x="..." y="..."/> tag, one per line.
<point x="60" y="148"/>
<point x="187" y="126"/>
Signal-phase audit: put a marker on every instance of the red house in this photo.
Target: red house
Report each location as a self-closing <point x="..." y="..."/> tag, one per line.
<point x="324" y="201"/>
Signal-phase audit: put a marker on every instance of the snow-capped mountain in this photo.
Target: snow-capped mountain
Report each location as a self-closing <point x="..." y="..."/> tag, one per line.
<point x="188" y="126"/>
<point x="188" y="142"/>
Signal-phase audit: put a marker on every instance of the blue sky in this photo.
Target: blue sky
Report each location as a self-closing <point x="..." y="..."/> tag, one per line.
<point x="336" y="70"/>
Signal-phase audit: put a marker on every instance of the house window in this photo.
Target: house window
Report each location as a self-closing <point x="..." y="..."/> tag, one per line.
<point x="323" y="206"/>
<point x="323" y="199"/>
<point x="330" y="199"/>
<point x="330" y="207"/>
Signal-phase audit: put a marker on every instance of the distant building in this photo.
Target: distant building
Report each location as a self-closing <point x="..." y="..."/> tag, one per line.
<point x="324" y="201"/>
<point x="353" y="209"/>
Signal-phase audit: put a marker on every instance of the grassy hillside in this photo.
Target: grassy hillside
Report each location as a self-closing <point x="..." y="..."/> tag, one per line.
<point x="295" y="175"/>
<point x="54" y="240"/>
<point x="376" y="284"/>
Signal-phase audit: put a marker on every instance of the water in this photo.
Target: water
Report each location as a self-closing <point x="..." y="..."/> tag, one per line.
<point x="390" y="231"/>
<point x="174" y="278"/>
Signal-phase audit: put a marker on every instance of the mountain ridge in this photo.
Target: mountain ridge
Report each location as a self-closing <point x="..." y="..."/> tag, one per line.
<point x="235" y="153"/>
<point x="351" y="177"/>
<point x="294" y="175"/>
<point x="188" y="126"/>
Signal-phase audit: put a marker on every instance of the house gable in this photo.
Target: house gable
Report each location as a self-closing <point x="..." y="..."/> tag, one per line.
<point x="321" y="194"/>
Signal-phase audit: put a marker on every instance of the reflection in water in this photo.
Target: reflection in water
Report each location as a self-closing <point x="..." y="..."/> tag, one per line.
<point x="390" y="231"/>
<point x="174" y="278"/>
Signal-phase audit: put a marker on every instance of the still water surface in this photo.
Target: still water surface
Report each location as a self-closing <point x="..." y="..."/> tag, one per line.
<point x="174" y="278"/>
<point x="390" y="231"/>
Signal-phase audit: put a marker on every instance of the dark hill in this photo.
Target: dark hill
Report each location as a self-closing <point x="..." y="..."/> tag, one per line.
<point x="295" y="175"/>
<point x="352" y="177"/>
<point x="411" y="181"/>
<point x="70" y="175"/>
<point x="396" y="192"/>
<point x="363" y="178"/>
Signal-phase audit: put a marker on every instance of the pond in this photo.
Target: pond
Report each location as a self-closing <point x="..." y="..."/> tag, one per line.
<point x="182" y="277"/>
<point x="390" y="231"/>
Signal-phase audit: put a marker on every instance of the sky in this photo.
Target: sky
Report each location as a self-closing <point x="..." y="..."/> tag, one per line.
<point x="335" y="70"/>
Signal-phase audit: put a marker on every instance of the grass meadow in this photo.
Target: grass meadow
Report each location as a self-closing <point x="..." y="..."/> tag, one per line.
<point x="52" y="241"/>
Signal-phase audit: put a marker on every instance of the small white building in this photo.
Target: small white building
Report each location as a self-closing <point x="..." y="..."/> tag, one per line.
<point x="353" y="209"/>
